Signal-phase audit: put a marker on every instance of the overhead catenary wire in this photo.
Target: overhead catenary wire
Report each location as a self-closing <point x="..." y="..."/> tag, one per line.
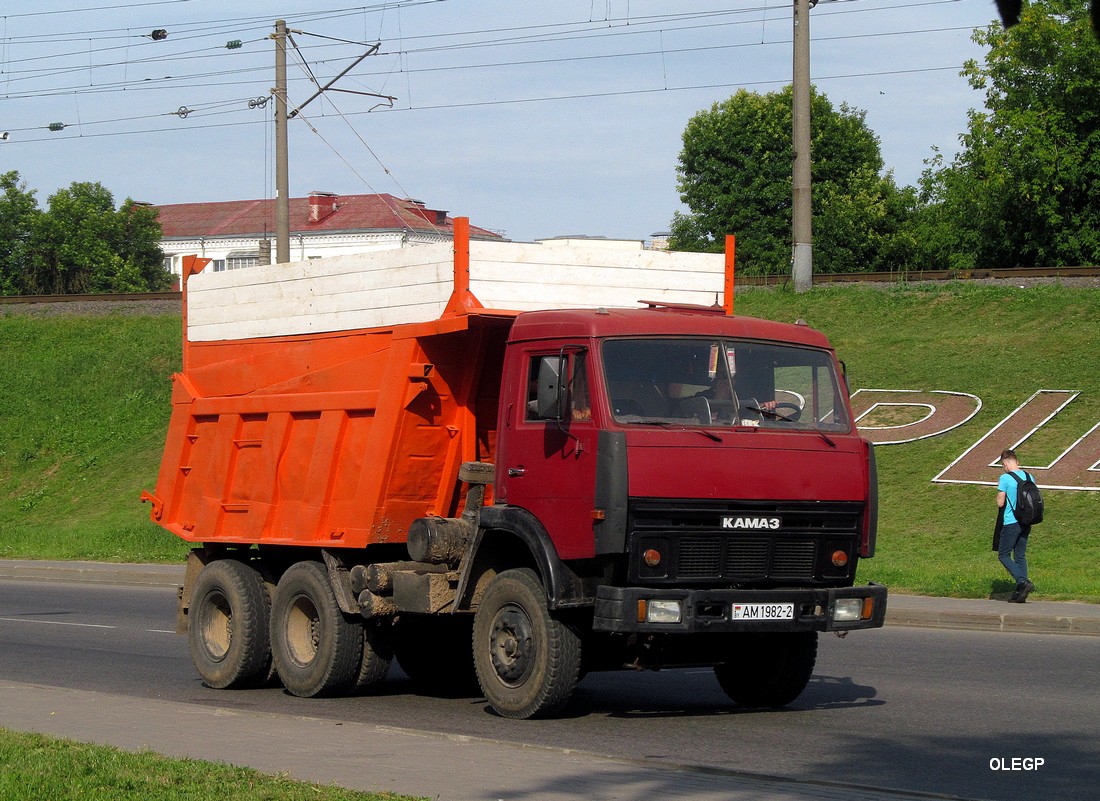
<point x="516" y="101"/>
<point x="156" y="83"/>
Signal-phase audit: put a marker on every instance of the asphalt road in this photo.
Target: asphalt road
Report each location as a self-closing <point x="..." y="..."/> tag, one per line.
<point x="917" y="710"/>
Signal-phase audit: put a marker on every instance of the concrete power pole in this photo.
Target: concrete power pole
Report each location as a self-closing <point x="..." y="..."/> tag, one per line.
<point x="282" y="150"/>
<point x="802" y="270"/>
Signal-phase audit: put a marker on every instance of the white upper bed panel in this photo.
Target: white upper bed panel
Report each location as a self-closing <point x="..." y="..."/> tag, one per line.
<point x="413" y="284"/>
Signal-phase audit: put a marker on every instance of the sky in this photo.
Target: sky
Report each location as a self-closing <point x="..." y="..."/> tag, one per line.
<point x="533" y="119"/>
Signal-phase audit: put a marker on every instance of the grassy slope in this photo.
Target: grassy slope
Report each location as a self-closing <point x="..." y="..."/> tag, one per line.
<point x="83" y="406"/>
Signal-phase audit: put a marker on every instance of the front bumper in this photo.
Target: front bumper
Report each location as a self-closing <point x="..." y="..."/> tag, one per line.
<point x="618" y="609"/>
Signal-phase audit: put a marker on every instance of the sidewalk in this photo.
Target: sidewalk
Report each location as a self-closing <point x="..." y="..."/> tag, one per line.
<point x="1034" y="617"/>
<point x="376" y="758"/>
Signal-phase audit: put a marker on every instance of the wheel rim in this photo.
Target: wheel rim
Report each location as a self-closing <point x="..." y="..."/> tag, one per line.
<point x="216" y="627"/>
<point x="303" y="627"/>
<point x="511" y="645"/>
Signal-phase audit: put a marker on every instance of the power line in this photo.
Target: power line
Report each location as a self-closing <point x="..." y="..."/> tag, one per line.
<point x="159" y="83"/>
<point x="488" y="103"/>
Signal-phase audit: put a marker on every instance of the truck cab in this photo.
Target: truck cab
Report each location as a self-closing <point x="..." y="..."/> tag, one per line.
<point x="698" y="475"/>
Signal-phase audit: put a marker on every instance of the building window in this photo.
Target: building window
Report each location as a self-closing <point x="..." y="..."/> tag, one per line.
<point x="239" y="262"/>
<point x="239" y="259"/>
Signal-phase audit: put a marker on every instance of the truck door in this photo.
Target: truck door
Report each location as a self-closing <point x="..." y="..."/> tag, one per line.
<point x="547" y="464"/>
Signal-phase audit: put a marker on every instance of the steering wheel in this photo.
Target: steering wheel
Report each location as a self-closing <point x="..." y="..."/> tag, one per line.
<point x="790" y="412"/>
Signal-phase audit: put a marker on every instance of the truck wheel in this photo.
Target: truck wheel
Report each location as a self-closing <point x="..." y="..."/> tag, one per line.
<point x="228" y="626"/>
<point x="527" y="662"/>
<point x="374" y="665"/>
<point x="435" y="652"/>
<point x="772" y="669"/>
<point x="317" y="650"/>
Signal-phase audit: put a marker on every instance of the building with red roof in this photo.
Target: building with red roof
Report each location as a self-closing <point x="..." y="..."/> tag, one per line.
<point x="239" y="233"/>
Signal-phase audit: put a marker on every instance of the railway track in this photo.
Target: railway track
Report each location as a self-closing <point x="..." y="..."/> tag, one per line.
<point x="908" y="276"/>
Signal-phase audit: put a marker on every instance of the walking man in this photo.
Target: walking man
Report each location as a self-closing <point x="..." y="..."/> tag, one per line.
<point x="1013" y="545"/>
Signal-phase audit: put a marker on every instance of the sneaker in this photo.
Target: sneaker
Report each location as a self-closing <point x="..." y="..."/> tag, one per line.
<point x="1023" y="591"/>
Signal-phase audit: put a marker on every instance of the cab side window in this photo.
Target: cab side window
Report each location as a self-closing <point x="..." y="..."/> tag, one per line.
<point x="577" y="396"/>
<point x="580" y="406"/>
<point x="532" y="402"/>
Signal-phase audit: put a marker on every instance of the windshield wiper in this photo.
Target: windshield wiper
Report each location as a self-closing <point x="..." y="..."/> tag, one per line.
<point x="665" y="424"/>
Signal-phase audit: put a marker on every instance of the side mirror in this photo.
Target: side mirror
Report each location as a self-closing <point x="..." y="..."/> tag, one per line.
<point x="551" y="393"/>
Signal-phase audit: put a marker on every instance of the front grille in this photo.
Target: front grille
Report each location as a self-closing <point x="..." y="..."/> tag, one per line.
<point x="744" y="559"/>
<point x="698" y="549"/>
<point x="700" y="557"/>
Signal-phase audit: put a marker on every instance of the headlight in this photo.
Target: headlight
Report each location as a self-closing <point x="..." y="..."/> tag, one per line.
<point x="659" y="611"/>
<point x="848" y="610"/>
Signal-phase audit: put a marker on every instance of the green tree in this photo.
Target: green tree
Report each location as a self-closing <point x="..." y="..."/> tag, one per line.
<point x="1023" y="189"/>
<point x="139" y="246"/>
<point x="734" y="175"/>
<point x="83" y="244"/>
<point x="18" y="213"/>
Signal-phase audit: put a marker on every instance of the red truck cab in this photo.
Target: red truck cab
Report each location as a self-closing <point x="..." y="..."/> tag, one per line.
<point x="706" y="466"/>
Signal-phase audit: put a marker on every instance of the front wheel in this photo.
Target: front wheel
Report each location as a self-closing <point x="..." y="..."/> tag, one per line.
<point x="527" y="662"/>
<point x="769" y="669"/>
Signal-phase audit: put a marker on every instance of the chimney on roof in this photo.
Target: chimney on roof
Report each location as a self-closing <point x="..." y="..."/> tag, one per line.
<point x="321" y="205"/>
<point x="434" y="216"/>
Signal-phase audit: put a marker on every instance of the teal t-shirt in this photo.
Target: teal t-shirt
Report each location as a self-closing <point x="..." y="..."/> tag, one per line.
<point x="1007" y="484"/>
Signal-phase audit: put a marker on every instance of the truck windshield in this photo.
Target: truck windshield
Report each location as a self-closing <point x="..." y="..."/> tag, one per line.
<point x="721" y="383"/>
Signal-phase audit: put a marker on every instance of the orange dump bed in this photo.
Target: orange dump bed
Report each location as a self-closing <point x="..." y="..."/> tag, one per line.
<point x="335" y="440"/>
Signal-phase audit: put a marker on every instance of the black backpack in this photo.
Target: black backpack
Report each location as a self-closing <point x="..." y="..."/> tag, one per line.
<point x="1029" y="501"/>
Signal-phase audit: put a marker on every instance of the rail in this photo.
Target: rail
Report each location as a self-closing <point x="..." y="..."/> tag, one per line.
<point x="901" y="276"/>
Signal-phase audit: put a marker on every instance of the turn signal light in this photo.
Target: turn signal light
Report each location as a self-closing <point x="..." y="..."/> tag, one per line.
<point x="840" y="558"/>
<point x="652" y="557"/>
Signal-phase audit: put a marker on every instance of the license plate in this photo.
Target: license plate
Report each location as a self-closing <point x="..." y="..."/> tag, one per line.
<point x="763" y="612"/>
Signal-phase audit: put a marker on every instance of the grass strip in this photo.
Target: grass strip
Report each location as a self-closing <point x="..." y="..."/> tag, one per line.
<point x="35" y="767"/>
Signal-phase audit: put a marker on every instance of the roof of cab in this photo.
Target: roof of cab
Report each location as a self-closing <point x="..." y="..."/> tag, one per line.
<point x="659" y="321"/>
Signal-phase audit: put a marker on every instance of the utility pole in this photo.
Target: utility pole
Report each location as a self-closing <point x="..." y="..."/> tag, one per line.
<point x="282" y="149"/>
<point x="802" y="212"/>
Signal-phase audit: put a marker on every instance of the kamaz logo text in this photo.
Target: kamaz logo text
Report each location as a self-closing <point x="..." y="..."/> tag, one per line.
<point x="751" y="522"/>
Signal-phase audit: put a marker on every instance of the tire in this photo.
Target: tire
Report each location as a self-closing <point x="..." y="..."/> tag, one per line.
<point x="527" y="662"/>
<point x="435" y="652"/>
<point x="228" y="626"/>
<point x="317" y="651"/>
<point x="374" y="664"/>
<point x="772" y="669"/>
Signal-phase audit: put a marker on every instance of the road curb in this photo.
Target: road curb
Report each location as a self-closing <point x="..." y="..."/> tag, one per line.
<point x="1042" y="617"/>
<point x="92" y="572"/>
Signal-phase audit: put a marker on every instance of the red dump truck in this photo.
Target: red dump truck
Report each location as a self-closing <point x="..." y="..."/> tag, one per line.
<point x="479" y="459"/>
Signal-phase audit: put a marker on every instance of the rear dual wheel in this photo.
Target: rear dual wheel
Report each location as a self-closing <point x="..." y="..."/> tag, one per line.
<point x="228" y="626"/>
<point x="317" y="650"/>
